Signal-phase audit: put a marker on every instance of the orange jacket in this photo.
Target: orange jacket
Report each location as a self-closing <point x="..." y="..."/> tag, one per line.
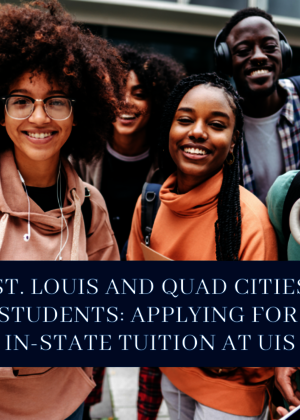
<point x="241" y="392"/>
<point x="184" y="228"/>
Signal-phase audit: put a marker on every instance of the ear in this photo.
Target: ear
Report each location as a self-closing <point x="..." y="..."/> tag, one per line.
<point x="3" y="122"/>
<point x="235" y="136"/>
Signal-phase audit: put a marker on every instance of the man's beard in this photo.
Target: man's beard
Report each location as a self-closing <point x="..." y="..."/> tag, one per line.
<point x="248" y="93"/>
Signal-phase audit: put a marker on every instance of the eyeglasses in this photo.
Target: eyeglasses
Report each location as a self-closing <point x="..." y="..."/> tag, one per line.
<point x="20" y="107"/>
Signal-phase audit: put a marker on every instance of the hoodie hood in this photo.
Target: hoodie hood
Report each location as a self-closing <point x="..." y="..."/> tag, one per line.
<point x="13" y="198"/>
<point x="200" y="199"/>
<point x="14" y="219"/>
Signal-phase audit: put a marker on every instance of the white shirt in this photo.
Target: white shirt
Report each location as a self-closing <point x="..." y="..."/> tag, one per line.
<point x="265" y="151"/>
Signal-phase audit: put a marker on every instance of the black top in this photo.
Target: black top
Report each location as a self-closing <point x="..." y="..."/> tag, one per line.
<point x="122" y="184"/>
<point x="46" y="198"/>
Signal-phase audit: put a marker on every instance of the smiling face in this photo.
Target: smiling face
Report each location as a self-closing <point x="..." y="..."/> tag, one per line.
<point x="135" y="113"/>
<point x="37" y="138"/>
<point x="201" y="136"/>
<point x="256" y="56"/>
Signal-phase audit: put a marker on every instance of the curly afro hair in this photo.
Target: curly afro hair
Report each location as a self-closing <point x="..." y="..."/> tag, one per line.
<point x="241" y="15"/>
<point x="158" y="74"/>
<point x="42" y="37"/>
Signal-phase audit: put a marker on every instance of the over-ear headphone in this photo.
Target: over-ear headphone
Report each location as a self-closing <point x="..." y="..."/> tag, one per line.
<point x="223" y="55"/>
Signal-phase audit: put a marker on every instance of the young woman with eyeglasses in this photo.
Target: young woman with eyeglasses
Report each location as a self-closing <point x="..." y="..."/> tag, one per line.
<point x="60" y="88"/>
<point x="206" y="215"/>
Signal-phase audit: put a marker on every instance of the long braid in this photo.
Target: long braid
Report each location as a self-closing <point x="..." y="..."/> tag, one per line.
<point x="228" y="225"/>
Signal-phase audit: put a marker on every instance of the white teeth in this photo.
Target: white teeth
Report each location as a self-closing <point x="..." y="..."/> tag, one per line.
<point x="194" y="151"/>
<point x="127" y="116"/>
<point x="39" y="135"/>
<point x="262" y="71"/>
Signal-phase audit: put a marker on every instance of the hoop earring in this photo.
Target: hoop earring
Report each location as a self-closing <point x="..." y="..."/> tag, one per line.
<point x="230" y="162"/>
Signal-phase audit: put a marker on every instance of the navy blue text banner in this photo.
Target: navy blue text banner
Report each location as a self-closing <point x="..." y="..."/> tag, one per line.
<point x="149" y="313"/>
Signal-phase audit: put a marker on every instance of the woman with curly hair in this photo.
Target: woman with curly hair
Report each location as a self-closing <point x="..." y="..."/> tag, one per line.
<point x="60" y="89"/>
<point x="206" y="215"/>
<point x="130" y="156"/>
<point x="129" y="160"/>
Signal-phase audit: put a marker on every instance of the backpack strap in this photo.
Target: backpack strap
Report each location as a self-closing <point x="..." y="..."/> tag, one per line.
<point x="292" y="196"/>
<point x="86" y="210"/>
<point x="150" y="206"/>
<point x="296" y="81"/>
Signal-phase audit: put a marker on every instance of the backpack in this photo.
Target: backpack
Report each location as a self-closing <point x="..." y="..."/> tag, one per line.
<point x="150" y="206"/>
<point x="293" y="193"/>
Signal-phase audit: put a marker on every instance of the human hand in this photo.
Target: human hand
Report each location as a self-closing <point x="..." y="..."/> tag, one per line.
<point x="283" y="411"/>
<point x="285" y="382"/>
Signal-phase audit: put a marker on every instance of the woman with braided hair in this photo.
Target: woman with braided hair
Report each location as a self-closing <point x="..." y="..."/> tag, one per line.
<point x="200" y="153"/>
<point x="206" y="215"/>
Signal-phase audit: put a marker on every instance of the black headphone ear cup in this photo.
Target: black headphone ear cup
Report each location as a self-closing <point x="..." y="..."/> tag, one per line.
<point x="223" y="58"/>
<point x="286" y="54"/>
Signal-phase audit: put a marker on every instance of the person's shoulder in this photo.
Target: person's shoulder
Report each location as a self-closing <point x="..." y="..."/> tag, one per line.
<point x="279" y="189"/>
<point x="95" y="196"/>
<point x="88" y="171"/>
<point x="253" y="209"/>
<point x="249" y="200"/>
<point x="291" y="91"/>
<point x="287" y="85"/>
<point x="138" y="207"/>
<point x="258" y="236"/>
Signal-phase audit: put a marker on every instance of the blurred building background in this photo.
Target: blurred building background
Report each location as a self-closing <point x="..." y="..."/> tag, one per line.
<point x="184" y="29"/>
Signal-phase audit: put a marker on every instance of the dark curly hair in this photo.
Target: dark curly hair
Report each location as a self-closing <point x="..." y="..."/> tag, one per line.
<point x="158" y="74"/>
<point x="228" y="225"/>
<point x="42" y="37"/>
<point x="241" y="15"/>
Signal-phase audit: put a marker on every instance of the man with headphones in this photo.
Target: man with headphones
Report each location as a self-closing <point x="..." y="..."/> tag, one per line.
<point x="255" y="53"/>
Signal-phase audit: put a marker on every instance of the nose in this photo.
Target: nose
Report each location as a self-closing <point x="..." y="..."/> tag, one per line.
<point x="258" y="55"/>
<point x="39" y="115"/>
<point x="198" y="131"/>
<point x="127" y="98"/>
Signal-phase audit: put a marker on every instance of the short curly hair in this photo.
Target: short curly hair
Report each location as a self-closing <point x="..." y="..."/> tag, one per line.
<point x="158" y="74"/>
<point x="41" y="37"/>
<point x="241" y="15"/>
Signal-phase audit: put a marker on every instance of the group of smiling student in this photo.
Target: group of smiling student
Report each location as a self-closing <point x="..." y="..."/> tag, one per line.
<point x="124" y="116"/>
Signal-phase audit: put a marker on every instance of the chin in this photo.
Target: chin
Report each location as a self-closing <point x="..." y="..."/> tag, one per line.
<point x="260" y="91"/>
<point x="39" y="155"/>
<point x="125" y="131"/>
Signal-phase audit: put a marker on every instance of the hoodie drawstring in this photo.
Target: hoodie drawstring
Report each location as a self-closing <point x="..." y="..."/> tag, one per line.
<point x="3" y="224"/>
<point x="76" y="229"/>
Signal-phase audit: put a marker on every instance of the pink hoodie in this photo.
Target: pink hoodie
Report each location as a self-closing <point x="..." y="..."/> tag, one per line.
<point x="42" y="393"/>
<point x="44" y="243"/>
<point x="51" y="393"/>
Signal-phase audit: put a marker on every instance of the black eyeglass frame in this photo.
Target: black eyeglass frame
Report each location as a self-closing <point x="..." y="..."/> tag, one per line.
<point x="5" y="98"/>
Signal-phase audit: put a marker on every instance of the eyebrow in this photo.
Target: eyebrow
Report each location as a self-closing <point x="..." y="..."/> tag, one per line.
<point x="245" y="41"/>
<point x="50" y="92"/>
<point x="220" y="114"/>
<point x="138" y="87"/>
<point x="186" y="109"/>
<point x="214" y="113"/>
